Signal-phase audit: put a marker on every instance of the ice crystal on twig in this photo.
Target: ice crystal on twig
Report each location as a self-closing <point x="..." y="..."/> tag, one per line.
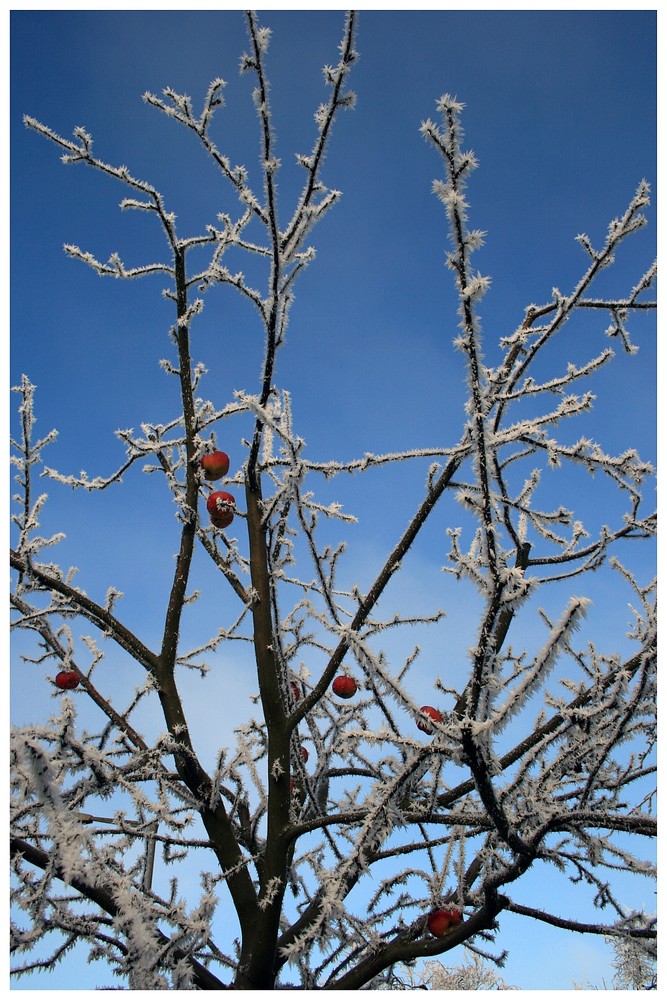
<point x="532" y="749"/>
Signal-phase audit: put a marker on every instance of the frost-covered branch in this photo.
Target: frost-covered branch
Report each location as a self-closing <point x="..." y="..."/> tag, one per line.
<point x="106" y="899"/>
<point x="323" y="766"/>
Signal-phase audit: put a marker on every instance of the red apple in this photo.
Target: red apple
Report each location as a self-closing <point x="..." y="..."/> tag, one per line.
<point x="432" y="713"/>
<point x="304" y="754"/>
<point x="297" y="690"/>
<point x="215" y="465"/>
<point x="440" y="921"/>
<point x="222" y="520"/>
<point x="344" y="686"/>
<point x="67" y="679"/>
<point x="221" y="507"/>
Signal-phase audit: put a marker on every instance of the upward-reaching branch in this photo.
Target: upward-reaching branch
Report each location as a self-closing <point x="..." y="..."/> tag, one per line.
<point x="307" y="792"/>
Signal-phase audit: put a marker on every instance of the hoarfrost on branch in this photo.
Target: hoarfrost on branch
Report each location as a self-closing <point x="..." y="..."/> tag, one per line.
<point x="540" y="755"/>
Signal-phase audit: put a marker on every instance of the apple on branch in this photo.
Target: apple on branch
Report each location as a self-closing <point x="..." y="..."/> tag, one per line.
<point x="440" y="921"/>
<point x="221" y="507"/>
<point x="344" y="686"/>
<point x="66" y="680"/>
<point x="215" y="465"/>
<point x="297" y="690"/>
<point x="428" y="712"/>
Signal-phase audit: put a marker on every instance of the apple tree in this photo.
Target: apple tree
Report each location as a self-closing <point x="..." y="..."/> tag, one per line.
<point x="342" y="812"/>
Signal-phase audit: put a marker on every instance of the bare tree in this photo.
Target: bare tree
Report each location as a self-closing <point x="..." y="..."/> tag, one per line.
<point x="544" y="756"/>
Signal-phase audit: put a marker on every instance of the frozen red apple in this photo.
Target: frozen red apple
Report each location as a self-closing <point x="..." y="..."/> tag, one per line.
<point x="66" y="680"/>
<point x="344" y="686"/>
<point x="428" y="712"/>
<point x="221" y="507"/>
<point x="215" y="465"/>
<point x="440" y="921"/>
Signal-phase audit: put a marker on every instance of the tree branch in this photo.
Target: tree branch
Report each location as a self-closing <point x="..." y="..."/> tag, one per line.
<point x="103" y="897"/>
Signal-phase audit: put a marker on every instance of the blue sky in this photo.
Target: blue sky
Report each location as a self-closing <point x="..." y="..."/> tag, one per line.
<point x="561" y="113"/>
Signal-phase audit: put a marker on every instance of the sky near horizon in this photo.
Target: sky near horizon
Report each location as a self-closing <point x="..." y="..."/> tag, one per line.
<point x="561" y="113"/>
